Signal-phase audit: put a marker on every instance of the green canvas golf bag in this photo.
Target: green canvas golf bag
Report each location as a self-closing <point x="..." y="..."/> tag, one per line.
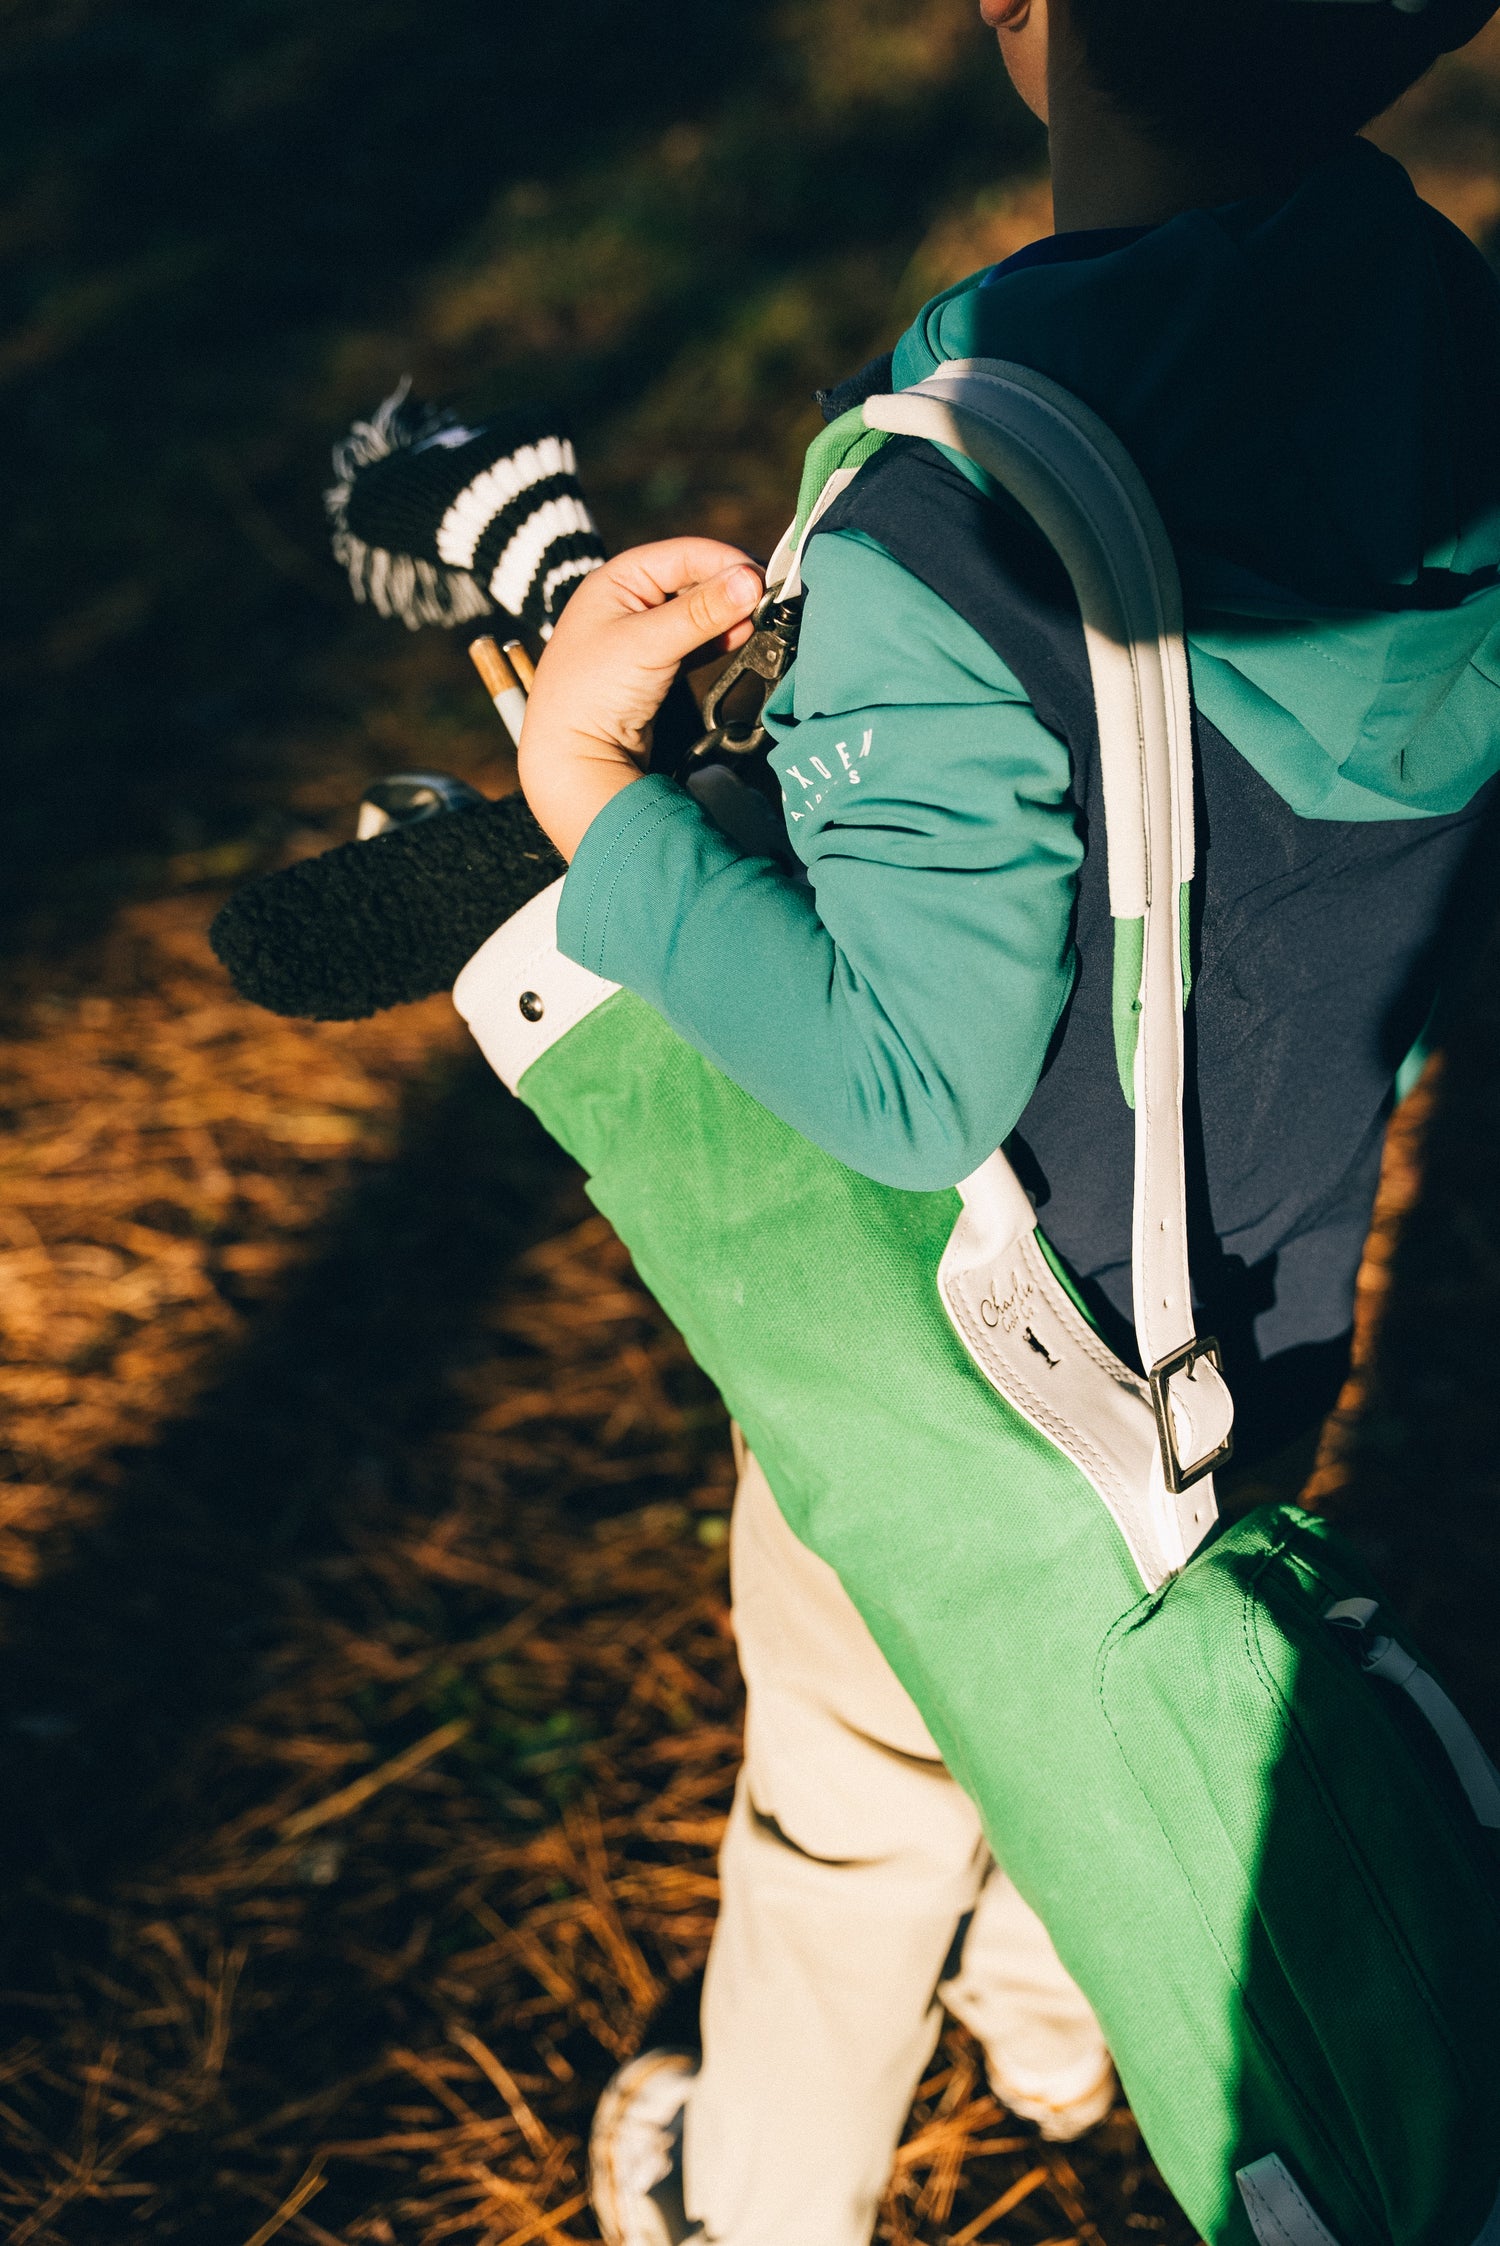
<point x="1261" y="1836"/>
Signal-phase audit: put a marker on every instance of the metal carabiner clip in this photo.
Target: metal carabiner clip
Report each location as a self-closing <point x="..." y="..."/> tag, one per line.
<point x="764" y="658"/>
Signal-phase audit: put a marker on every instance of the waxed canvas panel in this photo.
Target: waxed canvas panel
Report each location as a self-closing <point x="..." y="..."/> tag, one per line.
<point x="997" y="1585"/>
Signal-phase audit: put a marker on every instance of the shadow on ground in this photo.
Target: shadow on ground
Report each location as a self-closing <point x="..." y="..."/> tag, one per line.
<point x="116" y="1667"/>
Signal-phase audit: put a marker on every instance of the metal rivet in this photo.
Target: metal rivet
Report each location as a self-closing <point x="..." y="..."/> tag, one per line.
<point x="531" y="1006"/>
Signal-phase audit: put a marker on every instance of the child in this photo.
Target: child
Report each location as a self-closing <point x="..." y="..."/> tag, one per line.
<point x="1301" y="359"/>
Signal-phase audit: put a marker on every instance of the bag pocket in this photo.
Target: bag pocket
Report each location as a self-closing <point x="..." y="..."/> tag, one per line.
<point x="1333" y="1853"/>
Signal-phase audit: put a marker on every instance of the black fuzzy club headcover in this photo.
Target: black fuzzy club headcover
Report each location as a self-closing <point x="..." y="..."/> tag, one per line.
<point x="381" y="923"/>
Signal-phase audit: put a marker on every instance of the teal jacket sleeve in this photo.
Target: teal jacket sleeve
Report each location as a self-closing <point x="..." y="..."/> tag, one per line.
<point x="895" y="1007"/>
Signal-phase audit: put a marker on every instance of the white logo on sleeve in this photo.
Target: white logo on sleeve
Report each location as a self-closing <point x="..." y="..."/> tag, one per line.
<point x="811" y="788"/>
<point x="841" y="751"/>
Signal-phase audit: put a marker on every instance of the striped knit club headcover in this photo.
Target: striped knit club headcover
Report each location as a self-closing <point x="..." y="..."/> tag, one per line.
<point x="439" y="523"/>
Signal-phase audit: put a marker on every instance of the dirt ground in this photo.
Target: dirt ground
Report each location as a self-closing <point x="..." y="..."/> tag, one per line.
<point x="368" y="1709"/>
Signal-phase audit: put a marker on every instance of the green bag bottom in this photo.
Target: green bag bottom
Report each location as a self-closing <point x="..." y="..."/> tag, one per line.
<point x="1291" y="1940"/>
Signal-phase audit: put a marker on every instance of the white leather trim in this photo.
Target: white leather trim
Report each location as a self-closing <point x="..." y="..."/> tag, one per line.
<point x="1279" y="2212"/>
<point x="522" y="958"/>
<point x="1024" y="1333"/>
<point x="1072" y="475"/>
<point x="784" y="569"/>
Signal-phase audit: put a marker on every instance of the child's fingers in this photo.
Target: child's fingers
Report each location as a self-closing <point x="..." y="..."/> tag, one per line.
<point x="679" y="595"/>
<point x="662" y="637"/>
<point x="622" y="637"/>
<point x="649" y="576"/>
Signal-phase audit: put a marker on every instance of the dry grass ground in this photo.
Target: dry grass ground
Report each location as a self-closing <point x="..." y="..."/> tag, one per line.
<point x="371" y="1706"/>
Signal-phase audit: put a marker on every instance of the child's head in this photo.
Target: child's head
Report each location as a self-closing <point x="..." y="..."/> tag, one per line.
<point x="1278" y="79"/>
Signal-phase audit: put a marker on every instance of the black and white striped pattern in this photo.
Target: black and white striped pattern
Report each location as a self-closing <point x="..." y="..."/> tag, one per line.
<point x="437" y="523"/>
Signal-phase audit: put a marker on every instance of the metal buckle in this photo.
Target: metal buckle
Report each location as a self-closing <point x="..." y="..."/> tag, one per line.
<point x="1178" y="1476"/>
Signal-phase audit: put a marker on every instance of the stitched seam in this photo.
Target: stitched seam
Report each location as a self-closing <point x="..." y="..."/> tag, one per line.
<point x="1352" y="670"/>
<point x="1025" y="1399"/>
<point x="1067" y="1437"/>
<point x="622" y="849"/>
<point x="1041" y="1415"/>
<point x="1253" y="1655"/>
<point x="1083" y="1333"/>
<point x="1272" y="2055"/>
<point x="1268" y="2213"/>
<point x="1356" y="1856"/>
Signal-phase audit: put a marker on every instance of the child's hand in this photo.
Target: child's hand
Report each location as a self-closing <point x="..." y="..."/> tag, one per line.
<point x="609" y="664"/>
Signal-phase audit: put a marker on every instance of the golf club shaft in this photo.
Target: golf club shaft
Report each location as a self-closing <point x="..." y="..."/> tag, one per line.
<point x="505" y="688"/>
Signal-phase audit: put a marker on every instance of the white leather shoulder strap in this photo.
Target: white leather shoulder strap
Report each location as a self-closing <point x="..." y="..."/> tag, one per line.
<point x="1072" y="475"/>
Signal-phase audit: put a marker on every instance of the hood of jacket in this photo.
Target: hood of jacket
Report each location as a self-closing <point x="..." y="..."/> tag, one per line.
<point x="1310" y="388"/>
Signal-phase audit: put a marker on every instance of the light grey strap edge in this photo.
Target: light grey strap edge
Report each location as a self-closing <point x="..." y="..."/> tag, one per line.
<point x="1490" y="2235"/>
<point x="1282" y="2215"/>
<point x="1279" y="2210"/>
<point x="1471" y="1765"/>
<point x="1074" y="478"/>
<point x="1382" y="1656"/>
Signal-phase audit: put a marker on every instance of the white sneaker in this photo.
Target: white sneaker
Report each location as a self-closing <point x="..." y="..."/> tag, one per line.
<point x="635" y="2152"/>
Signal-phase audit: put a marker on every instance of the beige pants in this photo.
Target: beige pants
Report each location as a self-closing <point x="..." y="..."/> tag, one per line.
<point x="850" y="1862"/>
